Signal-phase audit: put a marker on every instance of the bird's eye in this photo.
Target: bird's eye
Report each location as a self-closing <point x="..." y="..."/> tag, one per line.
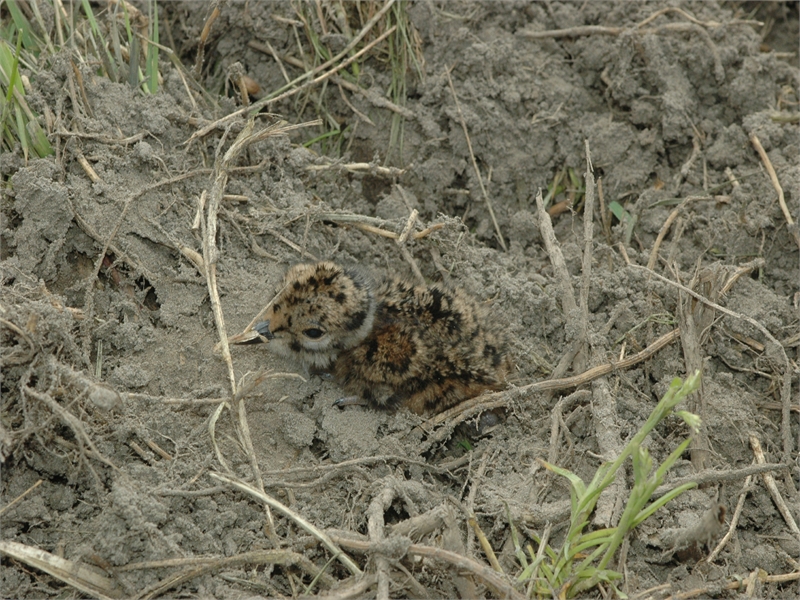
<point x="313" y="333"/>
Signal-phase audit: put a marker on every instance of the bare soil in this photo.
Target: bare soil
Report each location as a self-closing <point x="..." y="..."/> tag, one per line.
<point x="100" y="296"/>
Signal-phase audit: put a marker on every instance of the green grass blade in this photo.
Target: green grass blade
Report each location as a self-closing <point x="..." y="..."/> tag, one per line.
<point x="9" y="63"/>
<point x="575" y="481"/>
<point x="29" y="40"/>
<point x="39" y="142"/>
<point x="22" y="133"/>
<point x="151" y="74"/>
<point x="102" y="51"/>
<point x="518" y="551"/>
<point x="647" y="512"/>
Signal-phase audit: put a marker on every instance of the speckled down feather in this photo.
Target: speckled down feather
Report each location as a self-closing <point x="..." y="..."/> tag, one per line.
<point x="385" y="340"/>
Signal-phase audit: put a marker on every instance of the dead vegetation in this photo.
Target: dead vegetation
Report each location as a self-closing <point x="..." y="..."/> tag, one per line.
<point x="213" y="475"/>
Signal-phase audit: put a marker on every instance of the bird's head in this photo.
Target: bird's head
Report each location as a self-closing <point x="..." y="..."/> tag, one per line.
<point x="321" y="310"/>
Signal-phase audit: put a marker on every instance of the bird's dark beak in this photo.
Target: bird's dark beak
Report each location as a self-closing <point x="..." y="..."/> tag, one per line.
<point x="263" y="329"/>
<point x="264" y="334"/>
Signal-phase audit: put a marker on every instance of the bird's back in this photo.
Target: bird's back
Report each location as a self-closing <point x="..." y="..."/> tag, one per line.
<point x="430" y="348"/>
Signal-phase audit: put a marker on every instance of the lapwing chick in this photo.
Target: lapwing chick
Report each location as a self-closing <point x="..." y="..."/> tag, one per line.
<point x="387" y="342"/>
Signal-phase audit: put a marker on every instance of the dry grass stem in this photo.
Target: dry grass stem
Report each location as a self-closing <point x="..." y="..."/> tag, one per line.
<point x="159" y="450"/>
<point x="141" y="453"/>
<point x="208" y="222"/>
<point x="748" y="583"/>
<point x="651" y="262"/>
<point x="256" y="557"/>
<point x="588" y="232"/>
<point x="73" y="422"/>
<point x="744" y="269"/>
<point x="421" y="525"/>
<point x="370" y="168"/>
<point x="719" y="71"/>
<point x="737" y="513"/>
<point x="769" y="481"/>
<point x="291" y="244"/>
<point x="471" y="407"/>
<point x="568" y="305"/>
<point x="374" y="98"/>
<point x="485" y="545"/>
<point x="79" y="80"/>
<point x="82" y="577"/>
<point x="375" y="525"/>
<point x="201" y="45"/>
<point x="356" y="112"/>
<point x="19" y="498"/>
<point x="301" y="522"/>
<point x="417" y="235"/>
<point x="486" y="198"/>
<point x="773" y="176"/>
<point x="711" y="477"/>
<point x="357" y="590"/>
<point x="786" y="381"/>
<point x="257" y="106"/>
<point x="87" y="168"/>
<point x="266" y="47"/>
<point x="103" y="139"/>
<point x="581" y="358"/>
<point x="499" y="585"/>
<point x="16" y="357"/>
<point x="618" y="30"/>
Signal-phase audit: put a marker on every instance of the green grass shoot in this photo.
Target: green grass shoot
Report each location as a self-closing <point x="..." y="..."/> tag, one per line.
<point x="18" y="121"/>
<point x="151" y="71"/>
<point x="582" y="561"/>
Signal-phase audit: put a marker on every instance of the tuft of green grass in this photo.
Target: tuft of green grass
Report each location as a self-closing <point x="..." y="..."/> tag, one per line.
<point x="21" y="26"/>
<point x="582" y="561"/>
<point x="98" y="43"/>
<point x="30" y="44"/>
<point x="18" y="122"/>
<point x="401" y="52"/>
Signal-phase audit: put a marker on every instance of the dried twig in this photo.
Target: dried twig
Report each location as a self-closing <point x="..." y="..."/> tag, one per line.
<point x="305" y="77"/>
<point x="303" y="523"/>
<point x="495" y="581"/>
<point x="786" y="383"/>
<point x="470" y="408"/>
<point x="777" y="185"/>
<point x="769" y="481"/>
<point x="734" y="521"/>
<point x="377" y="507"/>
<point x="475" y="163"/>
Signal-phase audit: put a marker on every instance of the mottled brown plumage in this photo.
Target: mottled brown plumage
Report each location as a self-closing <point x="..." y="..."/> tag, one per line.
<point x="386" y="341"/>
